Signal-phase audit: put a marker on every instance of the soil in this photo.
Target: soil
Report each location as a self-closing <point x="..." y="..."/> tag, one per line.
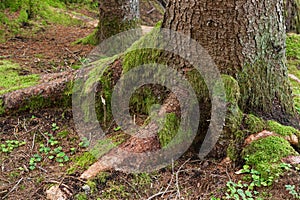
<point x="49" y="50"/>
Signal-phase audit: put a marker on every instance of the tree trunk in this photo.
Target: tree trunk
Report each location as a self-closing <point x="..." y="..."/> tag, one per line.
<point x="292" y="14"/>
<point x="116" y="16"/>
<point x="246" y="39"/>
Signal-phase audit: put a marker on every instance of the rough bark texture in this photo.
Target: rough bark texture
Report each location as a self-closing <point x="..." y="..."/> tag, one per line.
<point x="246" y="39"/>
<point x="292" y="14"/>
<point x="116" y="16"/>
<point x="54" y="89"/>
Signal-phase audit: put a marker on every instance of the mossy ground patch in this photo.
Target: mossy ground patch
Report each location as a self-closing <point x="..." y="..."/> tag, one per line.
<point x="11" y="78"/>
<point x="265" y="154"/>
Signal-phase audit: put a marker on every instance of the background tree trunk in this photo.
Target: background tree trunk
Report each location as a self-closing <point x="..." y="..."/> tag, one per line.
<point x="292" y="13"/>
<point x="116" y="16"/>
<point x="246" y="39"/>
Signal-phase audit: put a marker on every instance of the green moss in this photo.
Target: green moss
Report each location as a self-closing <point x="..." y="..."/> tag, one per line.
<point x="102" y="147"/>
<point x="102" y="177"/>
<point x="101" y="78"/>
<point x="2" y="110"/>
<point x="293" y="55"/>
<point x="293" y="46"/>
<point x="293" y="69"/>
<point x="134" y="56"/>
<point x="265" y="155"/>
<point x="142" y="100"/>
<point x="232" y="89"/>
<point x="254" y="124"/>
<point x="90" y="39"/>
<point x="81" y="196"/>
<point x="234" y="115"/>
<point x="82" y="162"/>
<point x="63" y="133"/>
<point x="92" y="185"/>
<point x="115" y="191"/>
<point x="232" y="152"/>
<point x="11" y="78"/>
<point x="31" y="11"/>
<point x="142" y="179"/>
<point x="169" y="130"/>
<point x="259" y="98"/>
<point x="38" y="102"/>
<point x="281" y="129"/>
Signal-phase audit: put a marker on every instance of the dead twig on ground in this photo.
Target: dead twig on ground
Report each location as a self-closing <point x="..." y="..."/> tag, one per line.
<point x="15" y="186"/>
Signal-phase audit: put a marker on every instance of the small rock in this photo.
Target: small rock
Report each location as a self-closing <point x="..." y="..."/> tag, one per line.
<point x="291" y="159"/>
<point x="54" y="193"/>
<point x="86" y="189"/>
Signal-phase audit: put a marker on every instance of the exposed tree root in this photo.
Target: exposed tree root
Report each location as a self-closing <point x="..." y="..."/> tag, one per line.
<point x="145" y="140"/>
<point x="52" y="88"/>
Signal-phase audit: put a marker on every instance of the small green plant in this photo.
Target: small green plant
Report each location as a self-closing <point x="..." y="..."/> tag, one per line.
<point x="117" y="128"/>
<point x="239" y="191"/>
<point x="52" y="140"/>
<point x="54" y="127"/>
<point x="10" y="145"/>
<point x="292" y="191"/>
<point x="246" y="190"/>
<point x="214" y="198"/>
<point x="62" y="157"/>
<point x="34" y="160"/>
<point x="84" y="142"/>
<point x="59" y="155"/>
<point x="72" y="150"/>
<point x="44" y="149"/>
<point x="63" y="134"/>
<point x="285" y="166"/>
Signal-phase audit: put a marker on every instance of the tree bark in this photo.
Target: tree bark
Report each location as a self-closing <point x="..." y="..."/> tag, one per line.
<point x="116" y="16"/>
<point x="246" y="39"/>
<point x="292" y="14"/>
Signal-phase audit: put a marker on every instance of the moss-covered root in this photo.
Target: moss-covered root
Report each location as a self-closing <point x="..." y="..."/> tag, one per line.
<point x="281" y="129"/>
<point x="265" y="155"/>
<point x="56" y="92"/>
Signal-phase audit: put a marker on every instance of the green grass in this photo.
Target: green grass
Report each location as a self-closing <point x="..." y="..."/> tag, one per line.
<point x="31" y="12"/>
<point x="11" y="80"/>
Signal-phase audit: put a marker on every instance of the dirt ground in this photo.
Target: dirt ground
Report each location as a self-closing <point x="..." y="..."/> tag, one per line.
<point x="49" y="50"/>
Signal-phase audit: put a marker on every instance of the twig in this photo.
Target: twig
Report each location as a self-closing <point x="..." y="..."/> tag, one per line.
<point x="177" y="179"/>
<point x="44" y="170"/>
<point x="170" y="180"/>
<point x="228" y="173"/>
<point x="150" y="11"/>
<point x="59" y="183"/>
<point x="74" y="55"/>
<point x="33" y="142"/>
<point x="160" y="193"/>
<point x="295" y="78"/>
<point x="13" y="188"/>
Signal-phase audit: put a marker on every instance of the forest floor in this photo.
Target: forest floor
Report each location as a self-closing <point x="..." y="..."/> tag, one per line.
<point x="29" y="169"/>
